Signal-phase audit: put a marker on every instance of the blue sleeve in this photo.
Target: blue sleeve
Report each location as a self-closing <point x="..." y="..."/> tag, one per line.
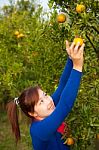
<point x="45" y="128"/>
<point x="63" y="80"/>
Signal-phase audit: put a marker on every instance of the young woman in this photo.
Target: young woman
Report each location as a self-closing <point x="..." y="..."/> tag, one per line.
<point x="48" y="112"/>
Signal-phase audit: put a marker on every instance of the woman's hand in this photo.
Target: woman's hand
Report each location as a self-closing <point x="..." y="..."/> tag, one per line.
<point x="75" y="52"/>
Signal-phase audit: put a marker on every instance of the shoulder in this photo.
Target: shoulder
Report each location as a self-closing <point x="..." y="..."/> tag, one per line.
<point x="33" y="127"/>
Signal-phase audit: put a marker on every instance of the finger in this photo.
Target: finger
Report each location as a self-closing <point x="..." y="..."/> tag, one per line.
<point x="81" y="49"/>
<point x="72" y="45"/>
<point x="76" y="47"/>
<point x="67" y="47"/>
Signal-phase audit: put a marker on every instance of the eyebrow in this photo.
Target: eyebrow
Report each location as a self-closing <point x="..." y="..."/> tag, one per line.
<point x="41" y="97"/>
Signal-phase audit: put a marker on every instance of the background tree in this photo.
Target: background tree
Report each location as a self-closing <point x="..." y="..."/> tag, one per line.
<point x="84" y="23"/>
<point x="32" y="51"/>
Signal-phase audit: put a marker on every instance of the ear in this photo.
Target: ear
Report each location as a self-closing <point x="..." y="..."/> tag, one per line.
<point x="32" y="114"/>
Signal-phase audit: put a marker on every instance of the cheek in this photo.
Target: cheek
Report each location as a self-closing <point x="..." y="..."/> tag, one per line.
<point x="43" y="112"/>
<point x="51" y="99"/>
<point x="42" y="109"/>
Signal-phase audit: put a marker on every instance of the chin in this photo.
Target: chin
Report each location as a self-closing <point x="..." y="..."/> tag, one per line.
<point x="52" y="110"/>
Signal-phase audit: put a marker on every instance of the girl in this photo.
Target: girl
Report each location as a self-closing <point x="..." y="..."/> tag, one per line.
<point x="48" y="112"/>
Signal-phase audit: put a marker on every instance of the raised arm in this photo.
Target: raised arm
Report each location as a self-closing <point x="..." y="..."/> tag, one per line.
<point x="50" y="124"/>
<point x="64" y="77"/>
<point x="68" y="96"/>
<point x="63" y="80"/>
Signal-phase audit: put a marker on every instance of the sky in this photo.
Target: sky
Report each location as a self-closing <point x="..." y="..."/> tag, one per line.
<point x="42" y="2"/>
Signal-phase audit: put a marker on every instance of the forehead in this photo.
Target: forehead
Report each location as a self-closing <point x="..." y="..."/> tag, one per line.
<point x="40" y="92"/>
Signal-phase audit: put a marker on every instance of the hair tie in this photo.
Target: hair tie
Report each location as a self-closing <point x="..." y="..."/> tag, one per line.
<point x="16" y="101"/>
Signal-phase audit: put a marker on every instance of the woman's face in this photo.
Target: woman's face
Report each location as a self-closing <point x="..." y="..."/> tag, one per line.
<point x="44" y="107"/>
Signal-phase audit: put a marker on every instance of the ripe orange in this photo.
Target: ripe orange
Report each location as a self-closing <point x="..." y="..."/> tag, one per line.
<point x="80" y="40"/>
<point x="16" y="33"/>
<point x="80" y="8"/>
<point x="61" y="18"/>
<point x="20" y="35"/>
<point x="69" y="141"/>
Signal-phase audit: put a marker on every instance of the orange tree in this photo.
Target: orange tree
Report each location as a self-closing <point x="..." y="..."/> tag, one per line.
<point x="32" y="51"/>
<point x="17" y="26"/>
<point x="82" y="21"/>
<point x="27" y="51"/>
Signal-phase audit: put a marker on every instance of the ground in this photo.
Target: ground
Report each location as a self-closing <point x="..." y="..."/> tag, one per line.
<point x="7" y="141"/>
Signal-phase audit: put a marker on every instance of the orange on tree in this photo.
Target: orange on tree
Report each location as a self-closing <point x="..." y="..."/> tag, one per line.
<point x="78" y="39"/>
<point x="61" y="18"/>
<point x="20" y="35"/>
<point x="16" y="33"/>
<point x="80" y="8"/>
<point x="69" y="141"/>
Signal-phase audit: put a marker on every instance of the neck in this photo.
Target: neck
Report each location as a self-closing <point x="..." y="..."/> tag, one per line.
<point x="39" y="118"/>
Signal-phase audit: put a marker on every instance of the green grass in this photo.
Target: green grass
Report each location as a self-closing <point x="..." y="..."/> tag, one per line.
<point x="7" y="141"/>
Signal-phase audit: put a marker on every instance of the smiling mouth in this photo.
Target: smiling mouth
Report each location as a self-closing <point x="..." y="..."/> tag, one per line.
<point x="52" y="106"/>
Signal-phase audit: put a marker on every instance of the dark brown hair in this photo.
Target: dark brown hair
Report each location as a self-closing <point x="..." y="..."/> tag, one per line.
<point x="27" y="101"/>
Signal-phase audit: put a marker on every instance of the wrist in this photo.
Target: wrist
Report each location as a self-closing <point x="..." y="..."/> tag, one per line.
<point x="78" y="68"/>
<point x="70" y="57"/>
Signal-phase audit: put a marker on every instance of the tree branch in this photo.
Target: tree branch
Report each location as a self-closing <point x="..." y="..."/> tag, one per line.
<point x="95" y="29"/>
<point x="92" y="44"/>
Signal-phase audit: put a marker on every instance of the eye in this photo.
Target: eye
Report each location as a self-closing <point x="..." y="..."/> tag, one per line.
<point x="45" y="94"/>
<point x="41" y="101"/>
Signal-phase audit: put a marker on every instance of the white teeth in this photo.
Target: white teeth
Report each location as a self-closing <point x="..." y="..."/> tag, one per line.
<point x="52" y="107"/>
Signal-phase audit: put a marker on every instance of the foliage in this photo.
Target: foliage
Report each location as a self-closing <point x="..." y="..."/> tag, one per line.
<point x="38" y="57"/>
<point x="27" y="61"/>
<point x="84" y="119"/>
<point x="7" y="140"/>
<point x="85" y="24"/>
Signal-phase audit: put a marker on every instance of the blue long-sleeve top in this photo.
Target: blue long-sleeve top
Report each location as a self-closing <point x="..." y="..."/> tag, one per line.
<point x="44" y="133"/>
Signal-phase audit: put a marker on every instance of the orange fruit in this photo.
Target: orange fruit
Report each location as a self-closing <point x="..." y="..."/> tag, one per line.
<point x="80" y="8"/>
<point x="80" y="40"/>
<point x="70" y="141"/>
<point x="61" y="18"/>
<point x="16" y="33"/>
<point x="20" y="35"/>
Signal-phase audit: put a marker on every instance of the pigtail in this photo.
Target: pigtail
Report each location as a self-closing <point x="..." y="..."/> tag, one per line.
<point x="13" y="118"/>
